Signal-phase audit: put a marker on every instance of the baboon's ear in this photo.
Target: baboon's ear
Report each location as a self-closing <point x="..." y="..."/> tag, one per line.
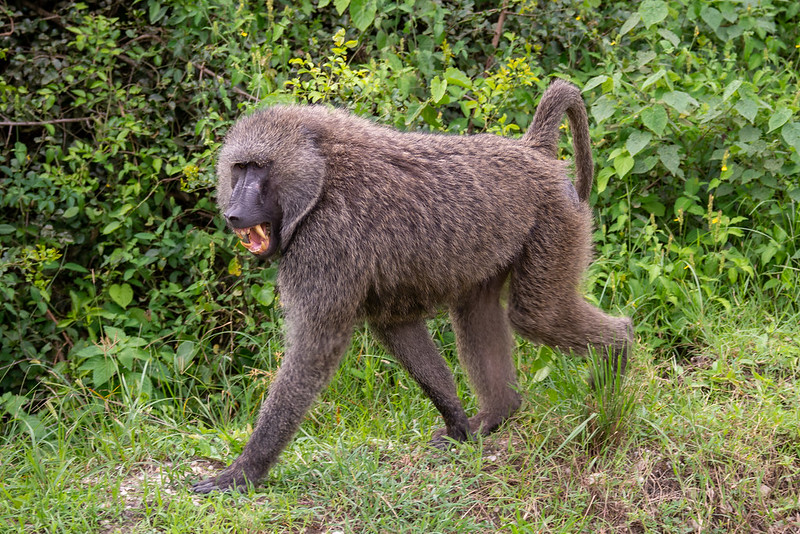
<point x="301" y="189"/>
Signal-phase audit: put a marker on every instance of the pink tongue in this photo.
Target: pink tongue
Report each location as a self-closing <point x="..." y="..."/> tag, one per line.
<point x="256" y="244"/>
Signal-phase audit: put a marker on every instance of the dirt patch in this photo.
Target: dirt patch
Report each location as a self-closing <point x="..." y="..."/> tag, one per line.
<point x="131" y="492"/>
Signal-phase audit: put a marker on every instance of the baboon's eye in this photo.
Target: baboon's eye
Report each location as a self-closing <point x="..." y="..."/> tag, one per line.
<point x="240" y="166"/>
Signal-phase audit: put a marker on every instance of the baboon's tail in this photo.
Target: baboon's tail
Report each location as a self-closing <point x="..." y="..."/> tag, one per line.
<point x="543" y="133"/>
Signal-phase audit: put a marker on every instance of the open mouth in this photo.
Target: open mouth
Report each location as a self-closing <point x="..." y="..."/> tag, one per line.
<point x="255" y="239"/>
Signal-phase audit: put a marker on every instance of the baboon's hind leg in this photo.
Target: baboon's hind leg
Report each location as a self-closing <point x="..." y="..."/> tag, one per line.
<point x="545" y="302"/>
<point x="485" y="343"/>
<point x="412" y="345"/>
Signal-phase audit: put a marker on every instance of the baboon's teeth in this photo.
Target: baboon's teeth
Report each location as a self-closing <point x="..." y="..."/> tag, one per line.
<point x="259" y="242"/>
<point x="244" y="235"/>
<point x="260" y="231"/>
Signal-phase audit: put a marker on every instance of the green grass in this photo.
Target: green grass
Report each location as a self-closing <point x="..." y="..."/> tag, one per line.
<point x="108" y="235"/>
<point x="708" y="444"/>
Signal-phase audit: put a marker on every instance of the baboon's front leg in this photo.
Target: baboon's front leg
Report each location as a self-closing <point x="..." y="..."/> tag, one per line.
<point x="313" y="354"/>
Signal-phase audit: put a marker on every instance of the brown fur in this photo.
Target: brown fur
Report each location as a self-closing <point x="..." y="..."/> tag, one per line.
<point x="386" y="227"/>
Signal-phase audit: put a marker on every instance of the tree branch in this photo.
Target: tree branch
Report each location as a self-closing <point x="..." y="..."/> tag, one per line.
<point x="205" y="70"/>
<point x="133" y="63"/>
<point x="498" y="31"/>
<point x="42" y="123"/>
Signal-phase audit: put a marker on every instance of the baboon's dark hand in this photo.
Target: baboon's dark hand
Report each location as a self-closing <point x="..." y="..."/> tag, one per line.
<point x="443" y="441"/>
<point x="231" y="479"/>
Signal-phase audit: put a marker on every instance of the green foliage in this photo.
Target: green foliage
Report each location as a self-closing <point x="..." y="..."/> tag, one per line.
<point x="98" y="235"/>
<point x="698" y="179"/>
<point x="116" y="271"/>
<point x="130" y="322"/>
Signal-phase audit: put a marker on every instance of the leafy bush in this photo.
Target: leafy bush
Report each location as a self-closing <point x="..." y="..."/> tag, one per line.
<point x="116" y="271"/>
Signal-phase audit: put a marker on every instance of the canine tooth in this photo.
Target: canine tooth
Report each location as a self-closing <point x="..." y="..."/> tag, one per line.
<point x="260" y="231"/>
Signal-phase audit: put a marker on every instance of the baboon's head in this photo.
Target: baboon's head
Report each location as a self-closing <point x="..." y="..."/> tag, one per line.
<point x="269" y="176"/>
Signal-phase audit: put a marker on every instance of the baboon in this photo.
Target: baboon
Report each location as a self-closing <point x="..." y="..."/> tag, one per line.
<point x="376" y="225"/>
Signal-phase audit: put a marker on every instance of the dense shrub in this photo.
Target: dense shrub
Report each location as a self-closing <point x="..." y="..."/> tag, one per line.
<point x="116" y="271"/>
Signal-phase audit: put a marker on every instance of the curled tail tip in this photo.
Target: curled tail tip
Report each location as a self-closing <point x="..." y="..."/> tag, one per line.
<point x="565" y="88"/>
<point x="559" y="98"/>
<point x="561" y="82"/>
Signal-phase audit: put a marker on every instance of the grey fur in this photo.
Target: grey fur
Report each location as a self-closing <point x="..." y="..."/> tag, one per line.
<point x="386" y="227"/>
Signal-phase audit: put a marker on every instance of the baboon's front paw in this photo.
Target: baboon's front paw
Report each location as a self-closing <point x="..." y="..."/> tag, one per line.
<point x="442" y="440"/>
<point x="231" y="479"/>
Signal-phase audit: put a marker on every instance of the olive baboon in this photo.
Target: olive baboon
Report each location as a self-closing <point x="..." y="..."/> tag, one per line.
<point x="377" y="225"/>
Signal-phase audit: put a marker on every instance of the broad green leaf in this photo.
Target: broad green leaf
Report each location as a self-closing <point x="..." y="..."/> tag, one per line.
<point x="263" y="295"/>
<point x="134" y="341"/>
<point x="277" y="31"/>
<point x="110" y="227"/>
<point x="602" y="178"/>
<point x="749" y="134"/>
<point x="791" y="134"/>
<point x="644" y="165"/>
<point x="6" y="229"/>
<point x="680" y="101"/>
<point x="779" y="118"/>
<point x="438" y="88"/>
<point x="102" y="370"/>
<point x="121" y="294"/>
<point x="71" y="212"/>
<point x="656" y="208"/>
<point x="685" y="205"/>
<point x="340" y="6"/>
<point x="184" y="355"/>
<point x="75" y="267"/>
<point x="414" y="111"/>
<point x="623" y="165"/>
<point x="603" y="108"/>
<point x="456" y="77"/>
<point x="730" y="89"/>
<point x="654" y="270"/>
<point x="362" y="13"/>
<point x="132" y="353"/>
<point x="643" y="57"/>
<point x="653" y="78"/>
<point x="729" y="11"/>
<point x="670" y="158"/>
<point x="711" y="16"/>
<point x="140" y="382"/>
<point x="156" y="12"/>
<point x="12" y="404"/>
<point x="235" y="267"/>
<point x="655" y="118"/>
<point x="653" y="12"/>
<point x="88" y="352"/>
<point x="20" y="151"/>
<point x="594" y="82"/>
<point x="541" y="374"/>
<point x="126" y="357"/>
<point x="691" y="187"/>
<point x="673" y="39"/>
<point x="747" y="108"/>
<point x="431" y="116"/>
<point x="637" y="140"/>
<point x="630" y="24"/>
<point x="768" y="253"/>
